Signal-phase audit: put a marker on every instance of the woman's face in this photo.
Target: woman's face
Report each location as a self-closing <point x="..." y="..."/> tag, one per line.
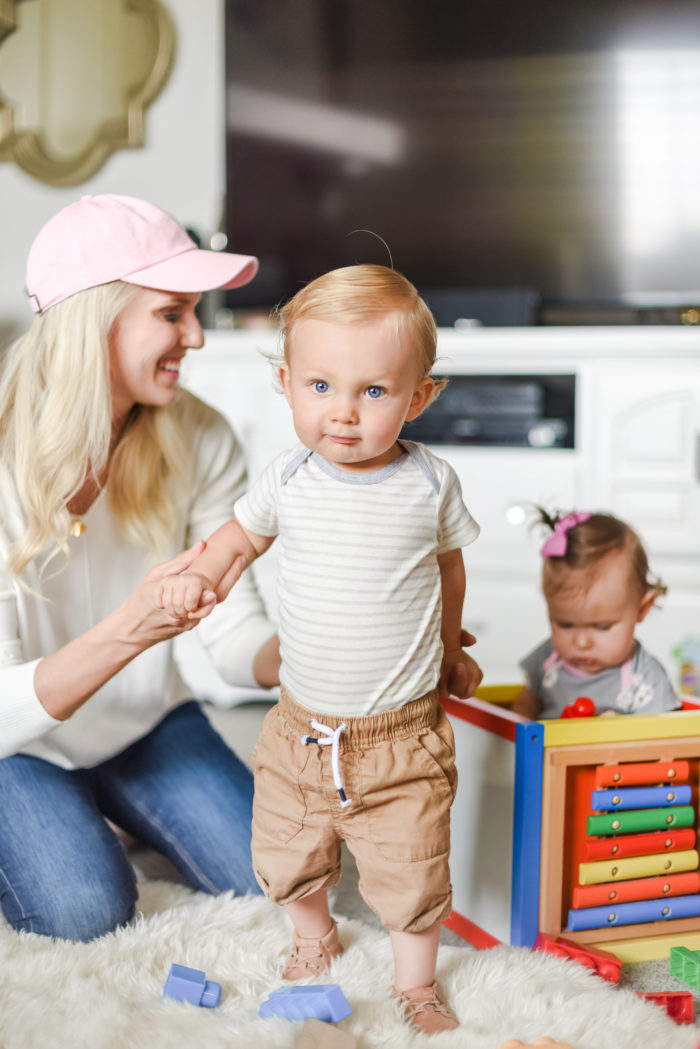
<point x="147" y="343"/>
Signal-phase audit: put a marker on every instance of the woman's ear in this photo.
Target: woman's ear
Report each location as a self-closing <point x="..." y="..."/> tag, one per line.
<point x="421" y="398"/>
<point x="645" y="604"/>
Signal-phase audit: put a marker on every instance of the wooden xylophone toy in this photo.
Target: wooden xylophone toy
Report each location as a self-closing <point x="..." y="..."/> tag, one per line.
<point x="583" y="829"/>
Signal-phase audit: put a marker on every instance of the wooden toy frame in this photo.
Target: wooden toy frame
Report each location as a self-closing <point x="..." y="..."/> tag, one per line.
<point x="552" y="765"/>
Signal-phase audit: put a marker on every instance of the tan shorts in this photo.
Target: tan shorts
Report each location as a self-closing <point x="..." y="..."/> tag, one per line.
<point x="398" y="769"/>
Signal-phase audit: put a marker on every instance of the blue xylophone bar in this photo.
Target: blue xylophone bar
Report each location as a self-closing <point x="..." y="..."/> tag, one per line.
<point x="630" y="913"/>
<point x="640" y="798"/>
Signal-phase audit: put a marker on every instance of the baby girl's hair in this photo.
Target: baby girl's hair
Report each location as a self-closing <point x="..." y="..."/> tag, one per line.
<point x="362" y="293"/>
<point x="588" y="541"/>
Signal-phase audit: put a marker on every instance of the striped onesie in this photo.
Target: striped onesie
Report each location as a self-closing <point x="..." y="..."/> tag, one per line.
<point x="359" y="583"/>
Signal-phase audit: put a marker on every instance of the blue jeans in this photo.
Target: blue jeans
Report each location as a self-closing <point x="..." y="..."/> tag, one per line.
<point x="180" y="789"/>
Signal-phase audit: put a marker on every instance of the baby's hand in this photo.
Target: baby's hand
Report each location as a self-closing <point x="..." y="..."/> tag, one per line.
<point x="187" y="595"/>
<point x="460" y="675"/>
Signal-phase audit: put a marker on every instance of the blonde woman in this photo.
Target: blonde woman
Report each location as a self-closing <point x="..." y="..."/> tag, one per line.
<point x="107" y="470"/>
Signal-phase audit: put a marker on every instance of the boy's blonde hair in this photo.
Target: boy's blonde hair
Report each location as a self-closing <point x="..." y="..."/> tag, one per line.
<point x="588" y="542"/>
<point x="358" y="294"/>
<point x="55" y="429"/>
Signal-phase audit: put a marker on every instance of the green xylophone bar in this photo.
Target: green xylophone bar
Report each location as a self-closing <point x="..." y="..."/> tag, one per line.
<point x="640" y="819"/>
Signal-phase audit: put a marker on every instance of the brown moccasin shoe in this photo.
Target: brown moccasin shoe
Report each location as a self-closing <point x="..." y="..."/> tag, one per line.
<point x="425" y="1009"/>
<point x="311" y="956"/>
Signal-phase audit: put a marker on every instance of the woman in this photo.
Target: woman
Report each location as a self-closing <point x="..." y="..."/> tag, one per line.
<point x="106" y="468"/>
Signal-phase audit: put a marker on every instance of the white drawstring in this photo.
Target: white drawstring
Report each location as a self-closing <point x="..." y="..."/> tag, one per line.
<point x="332" y="739"/>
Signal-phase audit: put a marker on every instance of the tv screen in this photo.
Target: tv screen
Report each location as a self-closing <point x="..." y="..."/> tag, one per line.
<point x="552" y="147"/>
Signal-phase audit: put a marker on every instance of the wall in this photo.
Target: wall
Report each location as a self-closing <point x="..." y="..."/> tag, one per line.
<point x="181" y="166"/>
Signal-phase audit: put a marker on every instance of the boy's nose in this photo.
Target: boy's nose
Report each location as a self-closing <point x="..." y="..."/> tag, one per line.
<point x="582" y="639"/>
<point x="344" y="411"/>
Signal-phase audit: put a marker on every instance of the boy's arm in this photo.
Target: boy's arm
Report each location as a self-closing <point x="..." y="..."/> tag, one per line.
<point x="461" y="675"/>
<point x="212" y="575"/>
<point x="220" y="562"/>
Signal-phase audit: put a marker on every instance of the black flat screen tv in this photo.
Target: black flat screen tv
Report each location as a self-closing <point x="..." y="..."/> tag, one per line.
<point x="550" y="147"/>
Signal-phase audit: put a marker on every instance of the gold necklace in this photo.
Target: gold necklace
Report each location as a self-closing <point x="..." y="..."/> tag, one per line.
<point x="77" y="527"/>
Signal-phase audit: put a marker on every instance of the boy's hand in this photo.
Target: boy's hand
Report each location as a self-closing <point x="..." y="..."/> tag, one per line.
<point x="460" y="675"/>
<point x="187" y="596"/>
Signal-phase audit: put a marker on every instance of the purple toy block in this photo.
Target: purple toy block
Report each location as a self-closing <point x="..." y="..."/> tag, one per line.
<point x="191" y="985"/>
<point x="320" y="1001"/>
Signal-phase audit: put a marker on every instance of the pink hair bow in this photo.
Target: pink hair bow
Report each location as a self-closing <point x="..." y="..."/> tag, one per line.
<point x="555" y="546"/>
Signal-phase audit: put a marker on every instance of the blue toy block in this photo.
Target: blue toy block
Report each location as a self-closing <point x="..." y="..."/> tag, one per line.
<point x="320" y="1001"/>
<point x="685" y="965"/>
<point x="191" y="985"/>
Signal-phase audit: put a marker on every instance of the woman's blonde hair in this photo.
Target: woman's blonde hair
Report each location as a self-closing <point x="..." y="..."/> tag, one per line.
<point x="55" y="429"/>
<point x="358" y="294"/>
<point x="588" y="542"/>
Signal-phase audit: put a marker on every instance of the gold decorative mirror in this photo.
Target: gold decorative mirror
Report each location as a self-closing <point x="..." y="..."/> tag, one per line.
<point x="75" y="79"/>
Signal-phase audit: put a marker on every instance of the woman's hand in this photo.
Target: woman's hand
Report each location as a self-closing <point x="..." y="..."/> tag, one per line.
<point x="149" y="617"/>
<point x="67" y="678"/>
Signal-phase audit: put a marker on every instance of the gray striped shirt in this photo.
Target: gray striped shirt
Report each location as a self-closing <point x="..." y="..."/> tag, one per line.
<point x="359" y="583"/>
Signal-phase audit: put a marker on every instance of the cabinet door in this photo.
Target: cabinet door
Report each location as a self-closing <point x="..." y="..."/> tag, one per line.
<point x="502" y="488"/>
<point x="647" y="420"/>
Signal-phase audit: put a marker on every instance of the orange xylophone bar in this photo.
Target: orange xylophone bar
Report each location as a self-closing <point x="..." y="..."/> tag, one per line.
<point x="636" y="889"/>
<point x="636" y="773"/>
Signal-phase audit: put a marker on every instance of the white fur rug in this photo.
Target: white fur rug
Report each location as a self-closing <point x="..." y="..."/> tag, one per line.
<point x="108" y="994"/>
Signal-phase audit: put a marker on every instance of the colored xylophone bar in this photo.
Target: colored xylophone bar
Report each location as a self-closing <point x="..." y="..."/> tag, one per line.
<point x="636" y="773"/>
<point x="640" y="798"/>
<point x="637" y="867"/>
<point x="636" y="889"/>
<point x="639" y="844"/>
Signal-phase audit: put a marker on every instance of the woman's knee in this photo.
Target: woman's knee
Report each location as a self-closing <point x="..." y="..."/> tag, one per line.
<point x="63" y="872"/>
<point x="83" y="909"/>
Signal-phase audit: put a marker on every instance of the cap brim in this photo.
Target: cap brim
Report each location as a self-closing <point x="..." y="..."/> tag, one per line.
<point x="197" y="270"/>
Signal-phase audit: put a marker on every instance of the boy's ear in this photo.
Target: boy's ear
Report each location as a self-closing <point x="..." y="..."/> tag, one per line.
<point x="421" y="398"/>
<point x="645" y="604"/>
<point x="284" y="378"/>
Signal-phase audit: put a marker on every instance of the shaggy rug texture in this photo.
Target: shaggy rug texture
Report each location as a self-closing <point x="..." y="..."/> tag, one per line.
<point x="108" y="994"/>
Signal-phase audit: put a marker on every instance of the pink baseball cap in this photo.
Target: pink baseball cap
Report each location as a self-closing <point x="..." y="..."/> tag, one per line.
<point x="109" y="237"/>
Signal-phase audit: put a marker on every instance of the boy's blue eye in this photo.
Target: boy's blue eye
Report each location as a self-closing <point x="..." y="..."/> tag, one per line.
<point x="320" y="386"/>
<point x="171" y="318"/>
<point x="374" y="391"/>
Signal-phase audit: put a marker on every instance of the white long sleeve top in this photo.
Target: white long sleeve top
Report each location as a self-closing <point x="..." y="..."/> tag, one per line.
<point x="103" y="569"/>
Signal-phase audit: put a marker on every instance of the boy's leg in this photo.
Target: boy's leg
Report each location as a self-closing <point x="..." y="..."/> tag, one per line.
<point x="415" y="957"/>
<point x="311" y="916"/>
<point x="400" y="840"/>
<point x="315" y="936"/>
